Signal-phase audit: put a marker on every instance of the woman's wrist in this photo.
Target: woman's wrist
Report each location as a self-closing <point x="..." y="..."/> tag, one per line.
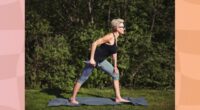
<point x="91" y="58"/>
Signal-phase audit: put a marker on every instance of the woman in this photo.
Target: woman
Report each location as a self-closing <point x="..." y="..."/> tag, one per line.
<point x="107" y="46"/>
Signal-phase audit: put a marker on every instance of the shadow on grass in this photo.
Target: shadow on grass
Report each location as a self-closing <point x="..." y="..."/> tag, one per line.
<point x="59" y="93"/>
<point x="94" y="95"/>
<point x="53" y="91"/>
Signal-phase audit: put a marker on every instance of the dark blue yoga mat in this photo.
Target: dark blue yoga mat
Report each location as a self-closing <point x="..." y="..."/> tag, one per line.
<point x="96" y="101"/>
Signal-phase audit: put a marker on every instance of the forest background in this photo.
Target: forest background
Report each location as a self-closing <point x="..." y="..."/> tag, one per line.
<point x="59" y="34"/>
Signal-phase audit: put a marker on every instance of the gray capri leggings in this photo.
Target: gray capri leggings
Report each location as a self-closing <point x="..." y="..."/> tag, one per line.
<point x="104" y="65"/>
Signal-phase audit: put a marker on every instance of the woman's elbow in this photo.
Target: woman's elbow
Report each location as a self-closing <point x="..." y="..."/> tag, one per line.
<point x="94" y="43"/>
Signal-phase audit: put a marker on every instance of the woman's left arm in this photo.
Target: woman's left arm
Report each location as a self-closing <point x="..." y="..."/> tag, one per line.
<point x="114" y="57"/>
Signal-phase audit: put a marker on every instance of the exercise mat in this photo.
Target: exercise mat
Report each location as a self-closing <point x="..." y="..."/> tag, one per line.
<point x="96" y="101"/>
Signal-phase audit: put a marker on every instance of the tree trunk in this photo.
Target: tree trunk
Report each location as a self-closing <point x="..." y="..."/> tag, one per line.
<point x="90" y="11"/>
<point x="109" y="11"/>
<point x="125" y="10"/>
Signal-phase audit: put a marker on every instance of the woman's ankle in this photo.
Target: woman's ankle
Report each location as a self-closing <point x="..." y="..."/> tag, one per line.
<point x="118" y="97"/>
<point x="72" y="98"/>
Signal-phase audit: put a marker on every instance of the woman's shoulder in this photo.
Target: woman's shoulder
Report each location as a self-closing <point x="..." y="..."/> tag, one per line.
<point x="106" y="38"/>
<point x="109" y="35"/>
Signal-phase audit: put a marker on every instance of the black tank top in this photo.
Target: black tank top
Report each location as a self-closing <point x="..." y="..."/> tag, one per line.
<point x="105" y="50"/>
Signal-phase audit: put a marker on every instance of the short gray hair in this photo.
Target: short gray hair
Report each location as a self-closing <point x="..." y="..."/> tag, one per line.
<point x="116" y="22"/>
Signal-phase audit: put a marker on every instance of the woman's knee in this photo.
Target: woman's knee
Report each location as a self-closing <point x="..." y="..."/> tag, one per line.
<point x="82" y="80"/>
<point x="115" y="76"/>
<point x="85" y="74"/>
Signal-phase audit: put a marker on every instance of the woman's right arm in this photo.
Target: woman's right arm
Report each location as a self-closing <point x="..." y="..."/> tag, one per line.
<point x="99" y="41"/>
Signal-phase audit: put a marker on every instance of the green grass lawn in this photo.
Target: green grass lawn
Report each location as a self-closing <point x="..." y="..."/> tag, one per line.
<point x="157" y="99"/>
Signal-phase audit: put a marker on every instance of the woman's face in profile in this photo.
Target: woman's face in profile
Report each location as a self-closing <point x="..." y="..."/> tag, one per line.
<point x="121" y="28"/>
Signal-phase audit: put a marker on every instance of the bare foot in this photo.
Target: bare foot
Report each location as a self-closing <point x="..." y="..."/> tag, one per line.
<point x="73" y="101"/>
<point x="118" y="100"/>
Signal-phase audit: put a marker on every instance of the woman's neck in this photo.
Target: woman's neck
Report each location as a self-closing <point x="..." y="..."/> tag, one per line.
<point x="116" y="34"/>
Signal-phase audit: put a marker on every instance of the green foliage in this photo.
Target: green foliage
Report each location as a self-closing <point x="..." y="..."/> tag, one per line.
<point x="59" y="36"/>
<point x="53" y="59"/>
<point x="52" y="68"/>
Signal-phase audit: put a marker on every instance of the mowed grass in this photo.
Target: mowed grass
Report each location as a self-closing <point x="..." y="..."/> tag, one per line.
<point x="157" y="99"/>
